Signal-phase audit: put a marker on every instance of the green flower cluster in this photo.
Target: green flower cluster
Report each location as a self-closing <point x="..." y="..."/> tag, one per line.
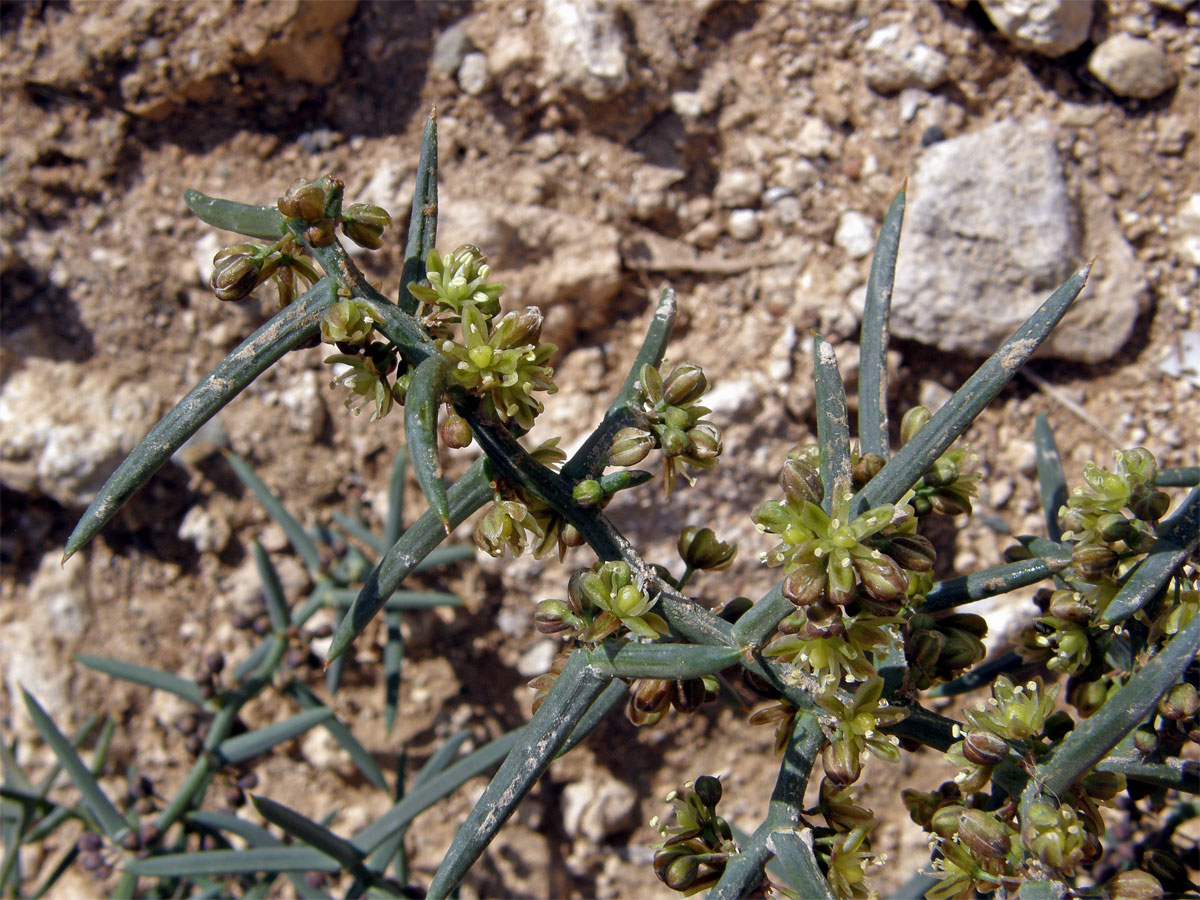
<point x="239" y="269"/>
<point x="375" y="372"/>
<point x="949" y="485"/>
<point x="600" y="601"/>
<point x="673" y="422"/>
<point x="697" y="847"/>
<point x="454" y="281"/>
<point x="854" y="730"/>
<point x="504" y="362"/>
<point x="517" y="521"/>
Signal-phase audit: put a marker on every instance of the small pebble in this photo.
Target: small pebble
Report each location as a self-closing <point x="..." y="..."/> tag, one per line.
<point x="1132" y="67"/>
<point x="743" y="224"/>
<point x="474" y="76"/>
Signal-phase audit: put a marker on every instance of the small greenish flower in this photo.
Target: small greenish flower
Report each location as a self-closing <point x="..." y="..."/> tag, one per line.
<point x="456" y="280"/>
<point x="1098" y="512"/>
<point x="346" y="322"/>
<point x="611" y="590"/>
<point x="855" y="730"/>
<point x="696" y="848"/>
<point x="367" y="378"/>
<point x="504" y="526"/>
<point x="828" y="556"/>
<point x="1055" y="836"/>
<point x="505" y="364"/>
<point x="961" y="873"/>
<point x="842" y="655"/>
<point x="847" y="863"/>
<point x="1014" y="712"/>
<point x="1067" y="641"/>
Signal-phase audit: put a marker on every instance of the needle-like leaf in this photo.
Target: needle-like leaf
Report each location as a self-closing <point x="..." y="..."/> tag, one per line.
<point x="425" y="392"/>
<point x="956" y="415"/>
<point x="288" y="329"/>
<point x="873" y="342"/>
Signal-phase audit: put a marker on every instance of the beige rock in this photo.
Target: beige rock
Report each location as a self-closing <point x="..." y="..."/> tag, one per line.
<point x="1048" y="27"/>
<point x="1132" y="67"/>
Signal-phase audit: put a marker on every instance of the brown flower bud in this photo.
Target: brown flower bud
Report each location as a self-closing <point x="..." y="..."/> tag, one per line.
<point x="1093" y="560"/>
<point x="1087" y="696"/>
<point x="705" y="438"/>
<point x="913" y="551"/>
<point x="943" y="472"/>
<point x="551" y="617"/>
<point x="365" y="223"/>
<point x="1113" y="527"/>
<point x="914" y="420"/>
<point x="679" y="873"/>
<point x="984" y="748"/>
<point x="320" y="234"/>
<point x="882" y="578"/>
<point x="1180" y="702"/>
<point x="630" y="446"/>
<point x="944" y="821"/>
<point x="1070" y="606"/>
<point x="867" y="467"/>
<point x="701" y="550"/>
<point x="983" y="834"/>
<point x="690" y="695"/>
<point x="236" y="271"/>
<point x="455" y="431"/>
<point x="1133" y="885"/>
<point x="1149" y="505"/>
<point x="303" y="200"/>
<point x="800" y="482"/>
<point x="685" y="385"/>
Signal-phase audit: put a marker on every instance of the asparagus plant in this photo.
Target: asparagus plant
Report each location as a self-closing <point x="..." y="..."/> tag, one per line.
<point x="855" y="635"/>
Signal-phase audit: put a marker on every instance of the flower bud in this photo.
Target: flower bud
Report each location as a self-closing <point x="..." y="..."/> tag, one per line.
<point x="800" y="482"/>
<point x="1070" y="606"/>
<point x="303" y="200"/>
<point x="1149" y="505"/>
<point x="677" y="872"/>
<point x="1058" y="725"/>
<point x="914" y="420"/>
<point x="914" y="552"/>
<point x="841" y="762"/>
<point x="1087" y="696"/>
<point x="1093" y="559"/>
<point x="1145" y="739"/>
<point x="984" y="748"/>
<point x="701" y="550"/>
<point x="1180" y="702"/>
<point x="944" y="821"/>
<point x="983" y="834"/>
<point x="685" y="385"/>
<point x="925" y="647"/>
<point x="652" y="695"/>
<point x="690" y="694"/>
<point x="365" y="223"/>
<point x="1113" y="527"/>
<point x="920" y="805"/>
<point x="943" y="472"/>
<point x="587" y="493"/>
<point x="867" y="467"/>
<point x="1139" y="465"/>
<point x="962" y="650"/>
<point x="1103" y="785"/>
<point x="236" y="271"/>
<point x="705" y="439"/>
<point x="519" y="328"/>
<point x="882" y="578"/>
<point x="674" y="441"/>
<point x="552" y="617"/>
<point x="950" y="502"/>
<point x="321" y="234"/>
<point x="1133" y="885"/>
<point x="629" y="447"/>
<point x="455" y="431"/>
<point x="709" y="790"/>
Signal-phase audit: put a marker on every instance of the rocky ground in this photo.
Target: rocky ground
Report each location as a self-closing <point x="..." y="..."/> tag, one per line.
<point x="745" y="153"/>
